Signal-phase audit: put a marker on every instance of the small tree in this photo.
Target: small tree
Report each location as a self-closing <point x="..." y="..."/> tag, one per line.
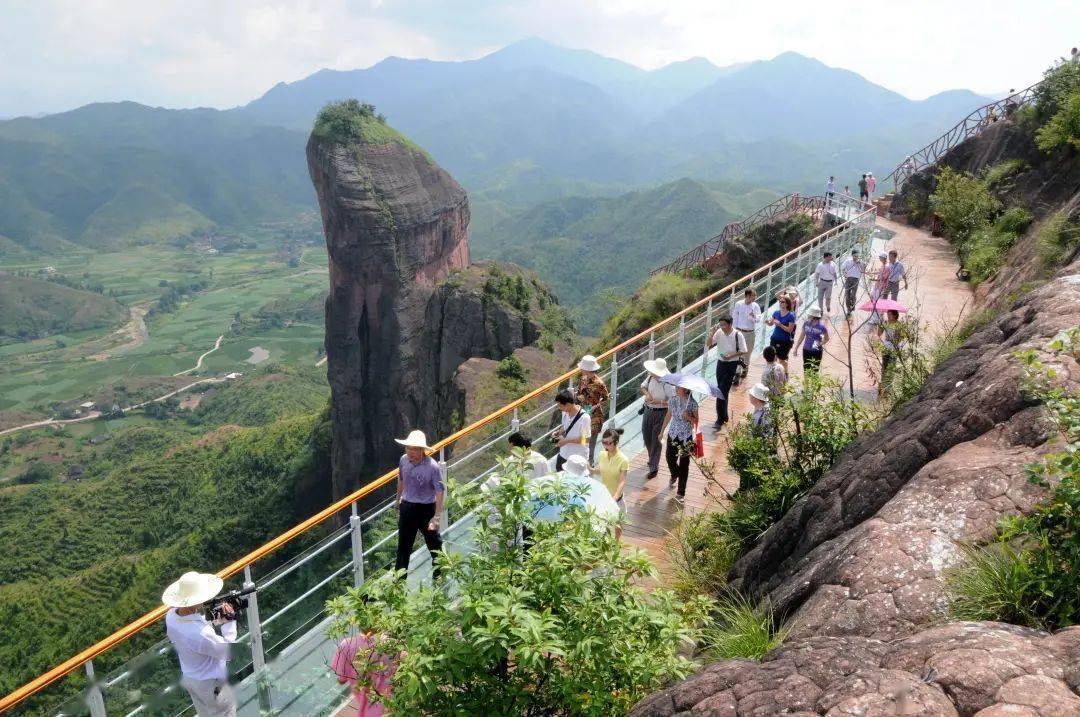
<point x="560" y="628"/>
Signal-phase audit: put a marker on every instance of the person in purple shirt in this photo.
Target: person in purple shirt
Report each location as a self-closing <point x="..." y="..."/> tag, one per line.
<point x="420" y="494"/>
<point x="812" y="337"/>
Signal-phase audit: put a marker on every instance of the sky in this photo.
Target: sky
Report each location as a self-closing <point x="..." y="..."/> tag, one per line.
<point x="56" y="55"/>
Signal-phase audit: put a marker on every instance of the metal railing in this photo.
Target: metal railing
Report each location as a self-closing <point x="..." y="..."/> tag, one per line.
<point x="280" y="663"/>
<point x="814" y="206"/>
<point x="979" y="120"/>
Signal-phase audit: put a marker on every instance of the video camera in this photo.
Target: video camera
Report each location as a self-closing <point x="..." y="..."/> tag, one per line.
<point x="214" y="608"/>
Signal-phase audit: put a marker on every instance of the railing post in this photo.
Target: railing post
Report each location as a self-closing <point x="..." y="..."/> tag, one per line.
<point x="444" y="516"/>
<point x="652" y="345"/>
<point x="515" y="422"/>
<point x="357" y="537"/>
<point x="682" y="341"/>
<point x="708" y="331"/>
<point x="95" y="701"/>
<point x="613" y="405"/>
<point x="258" y="656"/>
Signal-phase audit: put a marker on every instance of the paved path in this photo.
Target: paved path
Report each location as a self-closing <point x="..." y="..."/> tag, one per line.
<point x="934" y="290"/>
<point x="198" y="364"/>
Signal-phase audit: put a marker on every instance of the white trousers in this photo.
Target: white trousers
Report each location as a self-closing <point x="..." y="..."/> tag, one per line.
<point x="751" y="339"/>
<point x="212" y="698"/>
<point x="824" y="295"/>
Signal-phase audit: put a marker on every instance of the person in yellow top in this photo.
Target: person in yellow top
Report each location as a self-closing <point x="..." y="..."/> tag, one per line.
<point x="612" y="467"/>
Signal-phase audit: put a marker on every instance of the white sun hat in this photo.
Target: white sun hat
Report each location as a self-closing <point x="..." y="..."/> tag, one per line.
<point x="814" y="313"/>
<point x="577" y="466"/>
<point x="588" y="362"/>
<point x="657" y="367"/>
<point x="192" y="589"/>
<point x="415" y="439"/>
<point x="760" y="391"/>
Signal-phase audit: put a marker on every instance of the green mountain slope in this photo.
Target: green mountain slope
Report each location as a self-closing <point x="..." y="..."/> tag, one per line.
<point x="31" y="308"/>
<point x="593" y="249"/>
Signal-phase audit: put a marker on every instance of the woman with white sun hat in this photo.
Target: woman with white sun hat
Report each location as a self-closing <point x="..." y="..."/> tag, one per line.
<point x="657" y="394"/>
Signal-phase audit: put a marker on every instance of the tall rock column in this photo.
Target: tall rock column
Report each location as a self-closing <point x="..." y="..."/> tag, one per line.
<point x="395" y="224"/>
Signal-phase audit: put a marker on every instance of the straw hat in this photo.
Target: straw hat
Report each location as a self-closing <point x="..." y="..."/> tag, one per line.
<point x="760" y="391"/>
<point x="416" y="439"/>
<point x="576" y="466"/>
<point x="657" y="367"/>
<point x="588" y="362"/>
<point x="814" y="313"/>
<point x="191" y="589"/>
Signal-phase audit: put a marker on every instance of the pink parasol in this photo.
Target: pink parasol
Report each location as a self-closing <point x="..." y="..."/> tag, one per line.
<point x="883" y="305"/>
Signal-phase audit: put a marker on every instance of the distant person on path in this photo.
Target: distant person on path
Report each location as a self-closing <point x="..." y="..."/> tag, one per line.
<point x="830" y="190"/>
<point x="896" y="272"/>
<point x="1074" y="56"/>
<point x="730" y="349"/>
<point x="573" y="431"/>
<point x="852" y="270"/>
<point x="774" y="376"/>
<point x="203" y="652"/>
<point x="592" y="393"/>
<point x="679" y="423"/>
<point x="657" y="395"/>
<point x="612" y="467"/>
<point x="864" y="189"/>
<point x="826" y="277"/>
<point x="783" y="335"/>
<point x="745" y="316"/>
<point x="891" y="337"/>
<point x="420" y="495"/>
<point x="521" y="447"/>
<point x="871" y="184"/>
<point x="812" y="338"/>
<point x="881" y="283"/>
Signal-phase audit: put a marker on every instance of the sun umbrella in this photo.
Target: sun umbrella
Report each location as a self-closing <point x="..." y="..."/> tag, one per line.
<point x="693" y="382"/>
<point x="881" y="305"/>
<point x="587" y="493"/>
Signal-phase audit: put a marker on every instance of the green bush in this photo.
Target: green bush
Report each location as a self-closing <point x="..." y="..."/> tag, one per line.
<point x="513" y="376"/>
<point x="701" y="550"/>
<point x="998" y="173"/>
<point x="562" y="628"/>
<point x="742" y="630"/>
<point x="964" y="204"/>
<point x="1063" y="128"/>
<point x="1060" y="82"/>
<point x="992" y="583"/>
<point x="36" y="472"/>
<point x="1057" y="239"/>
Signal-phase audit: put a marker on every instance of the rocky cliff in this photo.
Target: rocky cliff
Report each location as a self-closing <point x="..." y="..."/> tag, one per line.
<point x="857" y="564"/>
<point x="401" y="315"/>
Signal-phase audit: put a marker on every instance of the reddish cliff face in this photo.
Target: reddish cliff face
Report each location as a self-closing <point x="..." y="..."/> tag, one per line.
<point x="395" y="225"/>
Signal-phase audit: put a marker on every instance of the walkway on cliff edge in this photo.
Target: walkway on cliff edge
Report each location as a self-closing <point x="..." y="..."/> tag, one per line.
<point x="934" y="291"/>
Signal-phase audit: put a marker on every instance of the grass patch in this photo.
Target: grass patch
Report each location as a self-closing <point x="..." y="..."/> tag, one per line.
<point x="701" y="553"/>
<point x="997" y="173"/>
<point x="743" y="629"/>
<point x="1056" y="240"/>
<point x="991" y="584"/>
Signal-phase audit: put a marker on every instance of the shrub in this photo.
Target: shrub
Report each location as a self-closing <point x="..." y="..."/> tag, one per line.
<point x="562" y="628"/>
<point x="964" y="204"/>
<point x="997" y="173"/>
<point x="344" y="121"/>
<point x="701" y="550"/>
<point x="513" y="376"/>
<point x="1063" y="128"/>
<point x="1059" y="83"/>
<point x="36" y="472"/>
<point x="1057" y="240"/>
<point x="742" y="629"/>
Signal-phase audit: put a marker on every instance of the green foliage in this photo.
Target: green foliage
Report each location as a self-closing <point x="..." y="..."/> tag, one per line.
<point x="36" y="472"/>
<point x="661" y="296"/>
<point x="701" y="553"/>
<point x="346" y="121"/>
<point x="32" y="308"/>
<point x="995" y="174"/>
<point x="562" y="628"/>
<point x="513" y="376"/>
<point x="1060" y="83"/>
<point x="1063" y="128"/>
<point x="742" y="629"/>
<point x="964" y="204"/>
<point x="1031" y="574"/>
<point x="264" y="395"/>
<point x="1057" y="240"/>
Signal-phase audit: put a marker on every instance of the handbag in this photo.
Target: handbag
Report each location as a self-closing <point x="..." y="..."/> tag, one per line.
<point x="699" y="442"/>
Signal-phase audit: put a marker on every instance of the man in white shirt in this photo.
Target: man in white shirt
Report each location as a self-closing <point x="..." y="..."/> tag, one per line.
<point x="203" y="653"/>
<point x="573" y="431"/>
<point x="826" y="276"/>
<point x="745" y="316"/>
<point x="730" y="348"/>
<point x="853" y="271"/>
<point x="521" y="446"/>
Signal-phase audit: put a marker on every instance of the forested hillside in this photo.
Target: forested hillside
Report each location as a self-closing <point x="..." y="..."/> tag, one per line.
<point x="30" y="308"/>
<point x="595" y="251"/>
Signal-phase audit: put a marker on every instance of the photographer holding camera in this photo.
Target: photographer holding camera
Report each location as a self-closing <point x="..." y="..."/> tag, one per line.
<point x="203" y="652"/>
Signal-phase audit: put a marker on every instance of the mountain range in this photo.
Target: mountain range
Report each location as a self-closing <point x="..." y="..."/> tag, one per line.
<point x="529" y="123"/>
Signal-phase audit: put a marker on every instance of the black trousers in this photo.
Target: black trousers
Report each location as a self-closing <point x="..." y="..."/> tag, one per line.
<point x="811" y="361"/>
<point x="678" y="461"/>
<point x="725" y="373"/>
<point x="851" y="290"/>
<point x="413" y="517"/>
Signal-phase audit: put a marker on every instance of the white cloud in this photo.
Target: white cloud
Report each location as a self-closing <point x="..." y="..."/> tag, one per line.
<point x="56" y="54"/>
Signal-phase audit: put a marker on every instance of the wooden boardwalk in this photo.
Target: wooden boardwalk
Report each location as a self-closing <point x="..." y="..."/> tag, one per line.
<point x="934" y="292"/>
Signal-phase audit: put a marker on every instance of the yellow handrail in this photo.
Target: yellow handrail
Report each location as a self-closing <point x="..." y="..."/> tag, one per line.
<point x="70" y="665"/>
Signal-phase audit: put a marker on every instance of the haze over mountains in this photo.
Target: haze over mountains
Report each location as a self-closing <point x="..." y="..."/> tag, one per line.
<point x="529" y="123"/>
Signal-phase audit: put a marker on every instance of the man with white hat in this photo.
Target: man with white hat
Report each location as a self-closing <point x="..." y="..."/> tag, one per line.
<point x="592" y="395"/>
<point x="420" y="494"/>
<point x="657" y="394"/>
<point x="759" y="399"/>
<point x="202" y="651"/>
